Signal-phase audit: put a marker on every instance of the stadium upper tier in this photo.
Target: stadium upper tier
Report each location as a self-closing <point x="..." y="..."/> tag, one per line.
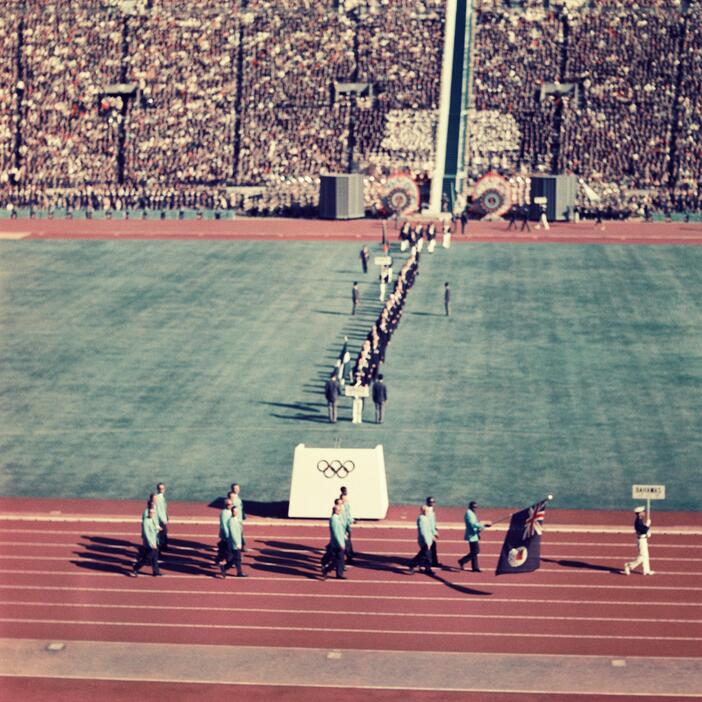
<point x="157" y="95"/>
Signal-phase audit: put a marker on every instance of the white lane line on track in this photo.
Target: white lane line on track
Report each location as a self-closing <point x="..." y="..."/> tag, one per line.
<point x="326" y="595"/>
<point x="336" y="613"/>
<point x="96" y="558"/>
<point x="422" y="580"/>
<point x="104" y="548"/>
<point x="400" y="632"/>
<point x="409" y="525"/>
<point x="211" y="535"/>
<point x="210" y="540"/>
<point x="399" y="688"/>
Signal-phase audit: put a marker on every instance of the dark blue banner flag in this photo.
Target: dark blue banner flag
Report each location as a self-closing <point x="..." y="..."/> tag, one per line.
<point x="521" y="551"/>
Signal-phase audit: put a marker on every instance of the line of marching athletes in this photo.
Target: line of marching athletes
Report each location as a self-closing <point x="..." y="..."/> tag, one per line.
<point x="339" y="551"/>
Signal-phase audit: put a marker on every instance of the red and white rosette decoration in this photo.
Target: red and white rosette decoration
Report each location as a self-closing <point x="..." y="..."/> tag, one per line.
<point x="401" y="194"/>
<point x="493" y="194"/>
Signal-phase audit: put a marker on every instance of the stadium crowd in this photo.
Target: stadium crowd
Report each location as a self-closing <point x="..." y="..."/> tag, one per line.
<point x="173" y="104"/>
<point x="183" y="59"/>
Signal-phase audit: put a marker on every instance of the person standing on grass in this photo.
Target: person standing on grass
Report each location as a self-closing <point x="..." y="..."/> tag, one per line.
<point x="365" y="255"/>
<point x="331" y="394"/>
<point x="642" y="528"/>
<point x="380" y="397"/>
<point x="149" y="543"/>
<point x="472" y="536"/>
<point x="337" y="542"/>
<point x="224" y="516"/>
<point x="383" y="283"/>
<point x="425" y="538"/>
<point x="447" y="299"/>
<point x="162" y="513"/>
<point x="235" y="544"/>
<point x="355" y="297"/>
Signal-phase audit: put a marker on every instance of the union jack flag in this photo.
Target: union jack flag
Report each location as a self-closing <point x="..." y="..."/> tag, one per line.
<point x="535" y="520"/>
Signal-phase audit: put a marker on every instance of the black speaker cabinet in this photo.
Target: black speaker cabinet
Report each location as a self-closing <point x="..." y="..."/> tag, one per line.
<point x="341" y="196"/>
<point x="559" y="191"/>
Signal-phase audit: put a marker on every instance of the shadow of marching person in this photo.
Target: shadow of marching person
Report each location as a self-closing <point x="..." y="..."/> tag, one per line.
<point x="458" y="588"/>
<point x="582" y="565"/>
<point x="99" y="560"/>
<point x="372" y="561"/>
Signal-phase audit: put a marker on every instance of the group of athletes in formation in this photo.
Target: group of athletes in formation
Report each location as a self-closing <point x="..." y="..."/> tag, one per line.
<point x="339" y="551"/>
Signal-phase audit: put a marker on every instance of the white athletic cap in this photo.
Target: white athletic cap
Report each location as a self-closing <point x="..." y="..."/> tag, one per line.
<point x="639" y="510"/>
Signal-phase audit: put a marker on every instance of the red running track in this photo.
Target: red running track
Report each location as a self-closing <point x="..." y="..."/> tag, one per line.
<point x="40" y="690"/>
<point x="68" y="580"/>
<point x="630" y="232"/>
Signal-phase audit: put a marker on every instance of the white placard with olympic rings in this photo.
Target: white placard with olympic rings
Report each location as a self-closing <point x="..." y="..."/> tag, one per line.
<point x="319" y="473"/>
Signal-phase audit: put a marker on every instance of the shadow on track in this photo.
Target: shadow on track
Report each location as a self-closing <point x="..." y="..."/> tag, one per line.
<point x="582" y="565"/>
<point x="254" y="508"/>
<point x="104" y="554"/>
<point x="459" y="588"/>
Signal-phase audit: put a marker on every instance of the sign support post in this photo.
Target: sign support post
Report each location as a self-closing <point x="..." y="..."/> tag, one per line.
<point x="648" y="492"/>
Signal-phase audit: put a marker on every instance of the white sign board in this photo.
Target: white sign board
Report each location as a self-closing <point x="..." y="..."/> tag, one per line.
<point x="319" y="473"/>
<point x="356" y="390"/>
<point x="382" y="260"/>
<point x="648" y="492"/>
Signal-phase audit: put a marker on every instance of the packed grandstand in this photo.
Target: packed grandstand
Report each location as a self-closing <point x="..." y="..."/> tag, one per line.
<point x="241" y="104"/>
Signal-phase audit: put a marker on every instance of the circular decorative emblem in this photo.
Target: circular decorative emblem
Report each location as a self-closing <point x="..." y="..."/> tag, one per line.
<point x="340" y="469"/>
<point x="517" y="556"/>
<point x="401" y="194"/>
<point x="493" y="194"/>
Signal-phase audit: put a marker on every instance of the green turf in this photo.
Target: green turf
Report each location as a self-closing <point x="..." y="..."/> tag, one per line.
<point x="575" y="370"/>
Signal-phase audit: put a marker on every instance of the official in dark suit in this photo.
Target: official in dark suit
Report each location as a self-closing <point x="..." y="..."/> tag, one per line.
<point x="380" y="397"/>
<point x="355" y="296"/>
<point x="331" y="393"/>
<point x="447" y="298"/>
<point x="365" y="255"/>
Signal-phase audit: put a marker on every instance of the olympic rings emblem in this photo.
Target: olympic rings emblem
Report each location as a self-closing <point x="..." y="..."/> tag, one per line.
<point x="340" y="469"/>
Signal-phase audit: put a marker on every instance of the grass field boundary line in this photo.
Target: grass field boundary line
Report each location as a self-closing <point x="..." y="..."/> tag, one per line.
<point x="338" y="630"/>
<point x="331" y="595"/>
<point x="317" y="524"/>
<point x="354" y="613"/>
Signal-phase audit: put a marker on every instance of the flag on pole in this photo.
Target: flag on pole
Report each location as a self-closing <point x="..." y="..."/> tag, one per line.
<point x="521" y="551"/>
